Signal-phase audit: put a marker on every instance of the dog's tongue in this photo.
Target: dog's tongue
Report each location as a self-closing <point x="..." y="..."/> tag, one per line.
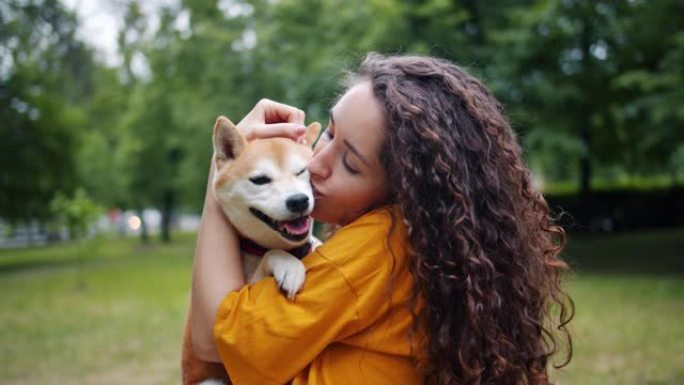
<point x="297" y="226"/>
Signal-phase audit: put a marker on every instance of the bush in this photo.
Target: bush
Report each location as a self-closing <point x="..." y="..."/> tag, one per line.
<point x="620" y="210"/>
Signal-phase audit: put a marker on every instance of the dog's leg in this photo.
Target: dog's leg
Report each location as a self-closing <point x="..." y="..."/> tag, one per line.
<point x="287" y="270"/>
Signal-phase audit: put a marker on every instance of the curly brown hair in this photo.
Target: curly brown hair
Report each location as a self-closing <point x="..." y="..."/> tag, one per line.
<point x="483" y="243"/>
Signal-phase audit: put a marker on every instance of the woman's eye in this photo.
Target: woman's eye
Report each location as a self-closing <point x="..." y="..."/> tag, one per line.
<point x="347" y="166"/>
<point x="260" y="179"/>
<point x="329" y="134"/>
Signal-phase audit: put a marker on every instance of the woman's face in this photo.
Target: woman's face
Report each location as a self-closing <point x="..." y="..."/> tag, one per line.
<point x="346" y="174"/>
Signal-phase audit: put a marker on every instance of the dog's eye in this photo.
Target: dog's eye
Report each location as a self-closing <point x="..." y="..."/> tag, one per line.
<point x="260" y="179"/>
<point x="302" y="171"/>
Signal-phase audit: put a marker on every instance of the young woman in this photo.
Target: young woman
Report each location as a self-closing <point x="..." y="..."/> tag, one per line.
<point x="445" y="269"/>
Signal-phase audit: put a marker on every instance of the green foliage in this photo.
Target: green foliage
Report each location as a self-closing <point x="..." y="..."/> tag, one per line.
<point x="77" y="212"/>
<point x="44" y="75"/>
<point x="603" y="73"/>
<point x="102" y="157"/>
<point x="594" y="88"/>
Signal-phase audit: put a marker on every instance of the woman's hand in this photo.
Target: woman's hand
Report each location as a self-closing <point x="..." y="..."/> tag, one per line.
<point x="272" y="119"/>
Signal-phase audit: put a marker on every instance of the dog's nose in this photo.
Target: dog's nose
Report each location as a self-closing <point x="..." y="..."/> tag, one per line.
<point x="297" y="203"/>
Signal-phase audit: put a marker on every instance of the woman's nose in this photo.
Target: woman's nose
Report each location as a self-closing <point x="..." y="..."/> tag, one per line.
<point x="318" y="167"/>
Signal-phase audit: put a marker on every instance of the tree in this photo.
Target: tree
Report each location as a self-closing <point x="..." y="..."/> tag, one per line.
<point x="568" y="67"/>
<point x="77" y="213"/>
<point x="44" y="78"/>
<point x="104" y="143"/>
<point x="650" y="82"/>
<point x="155" y="141"/>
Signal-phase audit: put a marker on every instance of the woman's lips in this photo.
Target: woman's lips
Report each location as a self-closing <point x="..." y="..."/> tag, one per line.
<point x="317" y="194"/>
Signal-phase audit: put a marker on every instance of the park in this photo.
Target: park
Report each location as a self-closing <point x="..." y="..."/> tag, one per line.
<point x="107" y="108"/>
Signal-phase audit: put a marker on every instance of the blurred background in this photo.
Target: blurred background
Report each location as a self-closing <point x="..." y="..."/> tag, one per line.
<point x="106" y="111"/>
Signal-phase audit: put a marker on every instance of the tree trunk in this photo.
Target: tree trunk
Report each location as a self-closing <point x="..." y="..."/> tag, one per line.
<point x="167" y="211"/>
<point x="144" y="236"/>
<point x="169" y="200"/>
<point x="585" y="110"/>
<point x="585" y="160"/>
<point x="29" y="228"/>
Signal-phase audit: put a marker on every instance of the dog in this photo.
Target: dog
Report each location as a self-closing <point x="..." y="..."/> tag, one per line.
<point x="263" y="188"/>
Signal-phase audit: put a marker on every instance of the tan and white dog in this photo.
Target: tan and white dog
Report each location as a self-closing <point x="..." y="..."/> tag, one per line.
<point x="263" y="188"/>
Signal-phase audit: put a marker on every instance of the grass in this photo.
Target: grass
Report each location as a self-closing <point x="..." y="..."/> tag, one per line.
<point x="111" y="317"/>
<point x="627" y="331"/>
<point x="111" y="312"/>
<point x="629" y="294"/>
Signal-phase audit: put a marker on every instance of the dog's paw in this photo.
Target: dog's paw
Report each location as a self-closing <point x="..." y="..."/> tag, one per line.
<point x="288" y="271"/>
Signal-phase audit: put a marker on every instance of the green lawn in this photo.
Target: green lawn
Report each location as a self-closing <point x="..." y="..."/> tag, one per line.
<point x="115" y="318"/>
<point x="629" y="293"/>
<point x="113" y="313"/>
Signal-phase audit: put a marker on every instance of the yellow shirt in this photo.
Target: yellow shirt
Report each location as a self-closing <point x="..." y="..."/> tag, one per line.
<point x="348" y="325"/>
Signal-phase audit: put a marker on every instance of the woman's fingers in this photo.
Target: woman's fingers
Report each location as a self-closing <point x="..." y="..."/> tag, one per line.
<point x="284" y="130"/>
<point x="270" y="119"/>
<point x="274" y="112"/>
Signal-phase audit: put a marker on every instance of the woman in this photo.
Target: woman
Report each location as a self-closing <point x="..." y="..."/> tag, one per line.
<point x="445" y="268"/>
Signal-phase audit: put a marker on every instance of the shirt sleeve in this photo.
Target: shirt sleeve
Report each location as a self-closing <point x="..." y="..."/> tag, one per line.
<point x="263" y="338"/>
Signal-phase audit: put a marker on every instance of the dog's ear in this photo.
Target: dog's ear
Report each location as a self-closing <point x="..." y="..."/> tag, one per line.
<point x="312" y="132"/>
<point x="228" y="142"/>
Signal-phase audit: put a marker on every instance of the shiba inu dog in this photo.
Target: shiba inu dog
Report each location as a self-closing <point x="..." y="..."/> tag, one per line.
<point x="263" y="188"/>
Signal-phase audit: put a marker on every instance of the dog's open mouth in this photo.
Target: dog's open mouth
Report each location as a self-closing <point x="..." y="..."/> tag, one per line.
<point x="293" y="230"/>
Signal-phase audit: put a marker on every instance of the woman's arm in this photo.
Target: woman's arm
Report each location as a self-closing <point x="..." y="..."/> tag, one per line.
<point x="217" y="268"/>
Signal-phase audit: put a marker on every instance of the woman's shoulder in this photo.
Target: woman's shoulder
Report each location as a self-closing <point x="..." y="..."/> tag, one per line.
<point x="380" y="218"/>
<point x="374" y="240"/>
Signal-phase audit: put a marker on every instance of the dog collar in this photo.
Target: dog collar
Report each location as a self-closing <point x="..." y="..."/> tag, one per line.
<point x="251" y="247"/>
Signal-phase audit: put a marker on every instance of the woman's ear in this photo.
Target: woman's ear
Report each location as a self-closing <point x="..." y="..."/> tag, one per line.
<point x="228" y="141"/>
<point x="312" y="132"/>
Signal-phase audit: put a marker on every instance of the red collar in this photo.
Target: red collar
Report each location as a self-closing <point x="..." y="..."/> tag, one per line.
<point x="251" y="247"/>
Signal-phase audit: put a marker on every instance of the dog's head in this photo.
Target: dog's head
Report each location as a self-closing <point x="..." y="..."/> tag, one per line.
<point x="263" y="185"/>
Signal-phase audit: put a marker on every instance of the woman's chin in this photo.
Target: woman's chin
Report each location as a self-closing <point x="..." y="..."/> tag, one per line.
<point x="323" y="213"/>
<point x="335" y="217"/>
<point x="320" y="215"/>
